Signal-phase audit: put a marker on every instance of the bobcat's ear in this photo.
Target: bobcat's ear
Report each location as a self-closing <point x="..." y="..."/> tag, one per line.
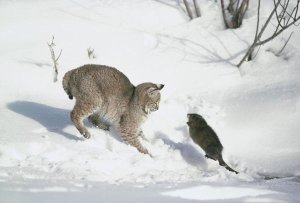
<point x="152" y="91"/>
<point x="155" y="89"/>
<point x="160" y="86"/>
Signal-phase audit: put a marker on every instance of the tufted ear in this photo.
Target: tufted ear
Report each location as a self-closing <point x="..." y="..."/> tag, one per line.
<point x="154" y="89"/>
<point x="160" y="86"/>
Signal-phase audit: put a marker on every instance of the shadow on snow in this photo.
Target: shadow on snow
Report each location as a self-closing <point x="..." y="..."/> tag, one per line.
<point x="52" y="118"/>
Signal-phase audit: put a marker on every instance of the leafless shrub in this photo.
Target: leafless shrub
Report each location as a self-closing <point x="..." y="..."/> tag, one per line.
<point x="91" y="53"/>
<point x="286" y="42"/>
<point x="189" y="10"/>
<point x="285" y="17"/>
<point x="54" y="58"/>
<point x="236" y="10"/>
<point x="197" y="9"/>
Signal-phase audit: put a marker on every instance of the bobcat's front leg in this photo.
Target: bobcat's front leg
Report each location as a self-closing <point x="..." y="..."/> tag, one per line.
<point x="141" y="135"/>
<point x="131" y="137"/>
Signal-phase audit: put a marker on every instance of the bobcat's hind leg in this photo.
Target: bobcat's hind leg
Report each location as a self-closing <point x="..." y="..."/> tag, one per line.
<point x="78" y="114"/>
<point x="95" y="120"/>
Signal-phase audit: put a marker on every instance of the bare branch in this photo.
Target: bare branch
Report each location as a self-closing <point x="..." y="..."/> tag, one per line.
<point x="58" y="56"/>
<point x="279" y="17"/>
<point x="251" y="48"/>
<point x="254" y="44"/>
<point x="257" y="22"/>
<point x="278" y="32"/>
<point x="197" y="9"/>
<point x="290" y="15"/>
<point x="54" y="59"/>
<point x="267" y="22"/>
<point x="224" y="14"/>
<point x="237" y="10"/>
<point x="297" y="8"/>
<point x="284" y="44"/>
<point x="188" y="9"/>
<point x="242" y="10"/>
<point x="256" y="31"/>
<point x="91" y="53"/>
<point x="279" y="28"/>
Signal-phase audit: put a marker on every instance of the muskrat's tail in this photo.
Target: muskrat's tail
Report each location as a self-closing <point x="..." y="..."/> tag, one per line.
<point x="66" y="85"/>
<point x="222" y="163"/>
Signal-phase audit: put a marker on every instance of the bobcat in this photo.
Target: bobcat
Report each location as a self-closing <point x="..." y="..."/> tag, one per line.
<point x="203" y="135"/>
<point x="107" y="97"/>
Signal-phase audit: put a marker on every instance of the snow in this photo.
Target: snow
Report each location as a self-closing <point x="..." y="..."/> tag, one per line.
<point x="255" y="111"/>
<point x="215" y="193"/>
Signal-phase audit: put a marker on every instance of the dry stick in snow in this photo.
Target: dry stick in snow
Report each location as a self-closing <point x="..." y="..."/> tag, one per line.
<point x="287" y="41"/>
<point x="236" y="11"/>
<point x="91" y="53"/>
<point x="256" y="32"/>
<point x="279" y="29"/>
<point x="241" y="13"/>
<point x="286" y="25"/>
<point x="257" y="35"/>
<point x="224" y="14"/>
<point x="197" y="9"/>
<point x="54" y="59"/>
<point x="188" y="9"/>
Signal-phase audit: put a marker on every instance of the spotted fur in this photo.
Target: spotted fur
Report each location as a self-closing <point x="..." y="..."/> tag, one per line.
<point x="107" y="97"/>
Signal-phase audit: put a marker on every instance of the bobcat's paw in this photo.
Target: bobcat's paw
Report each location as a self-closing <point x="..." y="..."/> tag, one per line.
<point x="145" y="151"/>
<point x="86" y="135"/>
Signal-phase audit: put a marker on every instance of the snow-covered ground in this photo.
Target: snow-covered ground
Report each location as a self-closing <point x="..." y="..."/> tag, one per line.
<point x="255" y="111"/>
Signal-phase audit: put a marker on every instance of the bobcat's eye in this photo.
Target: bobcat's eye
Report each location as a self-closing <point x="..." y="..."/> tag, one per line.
<point x="151" y="108"/>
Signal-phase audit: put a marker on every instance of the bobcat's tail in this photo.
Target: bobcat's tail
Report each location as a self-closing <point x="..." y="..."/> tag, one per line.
<point x="66" y="85"/>
<point x="222" y="163"/>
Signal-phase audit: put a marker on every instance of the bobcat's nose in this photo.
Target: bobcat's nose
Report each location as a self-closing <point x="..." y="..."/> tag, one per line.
<point x="155" y="107"/>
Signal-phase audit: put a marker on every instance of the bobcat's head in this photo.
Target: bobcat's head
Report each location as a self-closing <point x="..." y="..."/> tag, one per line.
<point x="149" y="96"/>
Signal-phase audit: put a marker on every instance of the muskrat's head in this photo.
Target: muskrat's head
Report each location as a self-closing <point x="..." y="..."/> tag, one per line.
<point x="195" y="120"/>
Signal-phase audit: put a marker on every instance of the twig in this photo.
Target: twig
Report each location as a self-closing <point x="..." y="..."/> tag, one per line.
<point x="255" y="43"/>
<point x="91" y="53"/>
<point x="54" y="59"/>
<point x="279" y="28"/>
<point x="257" y="28"/>
<point x="242" y="11"/>
<point x="197" y="9"/>
<point x="285" y="44"/>
<point x="251" y="48"/>
<point x="224" y="14"/>
<point x="188" y="9"/>
<point x="278" y="33"/>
